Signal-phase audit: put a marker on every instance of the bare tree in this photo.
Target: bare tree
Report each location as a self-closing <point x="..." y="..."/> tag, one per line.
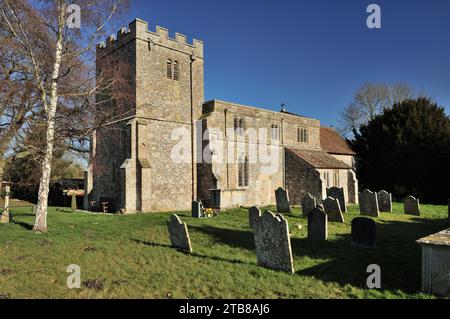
<point x="63" y="74"/>
<point x="369" y="101"/>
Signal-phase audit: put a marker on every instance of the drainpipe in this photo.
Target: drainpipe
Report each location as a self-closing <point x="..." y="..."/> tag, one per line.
<point x="226" y="148"/>
<point x="193" y="58"/>
<point x="283" y="161"/>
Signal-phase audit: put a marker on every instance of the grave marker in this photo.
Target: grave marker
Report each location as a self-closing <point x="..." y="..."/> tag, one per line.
<point x="333" y="210"/>
<point x="179" y="235"/>
<point x="272" y="242"/>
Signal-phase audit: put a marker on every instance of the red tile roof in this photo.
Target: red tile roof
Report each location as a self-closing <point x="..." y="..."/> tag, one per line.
<point x="319" y="159"/>
<point x="332" y="142"/>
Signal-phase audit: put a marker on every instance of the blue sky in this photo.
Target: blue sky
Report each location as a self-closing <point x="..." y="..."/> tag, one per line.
<point x="310" y="54"/>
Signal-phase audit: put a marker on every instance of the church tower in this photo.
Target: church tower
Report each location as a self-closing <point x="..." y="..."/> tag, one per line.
<point x="136" y="169"/>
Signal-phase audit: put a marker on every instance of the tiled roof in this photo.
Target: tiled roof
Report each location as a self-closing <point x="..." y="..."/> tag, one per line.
<point x="332" y="142"/>
<point x="319" y="159"/>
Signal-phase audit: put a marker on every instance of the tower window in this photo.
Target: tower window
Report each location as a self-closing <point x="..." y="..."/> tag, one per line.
<point x="302" y="135"/>
<point x="243" y="171"/>
<point x="239" y="125"/>
<point x="169" y="69"/>
<point x="275" y="132"/>
<point x="175" y="70"/>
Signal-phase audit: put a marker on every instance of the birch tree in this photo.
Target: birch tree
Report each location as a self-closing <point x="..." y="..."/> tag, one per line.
<point x="63" y="74"/>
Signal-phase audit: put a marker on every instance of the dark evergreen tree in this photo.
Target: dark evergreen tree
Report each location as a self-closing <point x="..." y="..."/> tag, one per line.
<point x="406" y="150"/>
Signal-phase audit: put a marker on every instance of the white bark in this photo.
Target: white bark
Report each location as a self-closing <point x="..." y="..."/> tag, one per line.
<point x="46" y="168"/>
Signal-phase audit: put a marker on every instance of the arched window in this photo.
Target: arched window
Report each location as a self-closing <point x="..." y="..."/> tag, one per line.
<point x="169" y="69"/>
<point x="176" y="70"/>
<point x="243" y="171"/>
<point x="336" y="178"/>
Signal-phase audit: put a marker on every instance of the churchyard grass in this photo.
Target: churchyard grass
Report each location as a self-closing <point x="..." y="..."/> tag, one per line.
<point x="131" y="257"/>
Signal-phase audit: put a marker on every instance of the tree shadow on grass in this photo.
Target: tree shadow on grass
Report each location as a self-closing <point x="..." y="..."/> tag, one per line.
<point x="396" y="253"/>
<point x="193" y="254"/>
<point x="24" y="225"/>
<point x="230" y="237"/>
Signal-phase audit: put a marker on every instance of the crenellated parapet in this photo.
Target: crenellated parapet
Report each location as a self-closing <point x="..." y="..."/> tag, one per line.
<point x="138" y="30"/>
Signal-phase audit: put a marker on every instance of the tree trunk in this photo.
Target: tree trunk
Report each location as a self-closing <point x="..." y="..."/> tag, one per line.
<point x="40" y="223"/>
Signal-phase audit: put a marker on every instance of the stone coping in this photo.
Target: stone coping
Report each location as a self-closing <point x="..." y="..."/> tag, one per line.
<point x="439" y="239"/>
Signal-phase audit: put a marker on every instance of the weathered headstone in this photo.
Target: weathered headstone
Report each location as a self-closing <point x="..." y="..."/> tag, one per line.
<point x="4" y="218"/>
<point x="411" y="206"/>
<point x="197" y="209"/>
<point x="308" y="204"/>
<point x="363" y="232"/>
<point x="179" y="235"/>
<point x="282" y="199"/>
<point x="338" y="193"/>
<point x="333" y="210"/>
<point x="272" y="242"/>
<point x="317" y="225"/>
<point x="253" y="214"/>
<point x="74" y="203"/>
<point x="384" y="201"/>
<point x="368" y="203"/>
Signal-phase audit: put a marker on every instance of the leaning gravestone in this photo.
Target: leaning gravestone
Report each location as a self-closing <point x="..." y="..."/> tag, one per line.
<point x="384" y="201"/>
<point x="179" y="235"/>
<point x="317" y="225"/>
<point x="411" y="206"/>
<point x="197" y="209"/>
<point x="333" y="210"/>
<point x="272" y="242"/>
<point x="4" y="218"/>
<point x="282" y="199"/>
<point x="368" y="203"/>
<point x="308" y="204"/>
<point x="363" y="232"/>
<point x="338" y="193"/>
<point x="253" y="214"/>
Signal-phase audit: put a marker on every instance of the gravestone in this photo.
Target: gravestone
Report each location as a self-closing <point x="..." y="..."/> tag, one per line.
<point x="333" y="210"/>
<point x="4" y="218"/>
<point x="179" y="235"/>
<point x="338" y="193"/>
<point x="272" y="242"/>
<point x="197" y="209"/>
<point x="368" y="203"/>
<point x="74" y="203"/>
<point x="363" y="232"/>
<point x="308" y="204"/>
<point x="253" y="214"/>
<point x="411" y="206"/>
<point x="317" y="225"/>
<point x="282" y="199"/>
<point x="384" y="201"/>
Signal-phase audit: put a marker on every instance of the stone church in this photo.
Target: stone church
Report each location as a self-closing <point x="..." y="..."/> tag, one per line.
<point x="132" y="164"/>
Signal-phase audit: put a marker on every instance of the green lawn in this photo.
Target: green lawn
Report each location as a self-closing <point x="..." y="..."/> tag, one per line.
<point x="130" y="255"/>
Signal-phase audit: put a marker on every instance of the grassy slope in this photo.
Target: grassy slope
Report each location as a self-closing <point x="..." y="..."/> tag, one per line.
<point x="131" y="255"/>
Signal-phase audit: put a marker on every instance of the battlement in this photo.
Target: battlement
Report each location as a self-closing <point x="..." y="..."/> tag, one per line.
<point x="138" y="29"/>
